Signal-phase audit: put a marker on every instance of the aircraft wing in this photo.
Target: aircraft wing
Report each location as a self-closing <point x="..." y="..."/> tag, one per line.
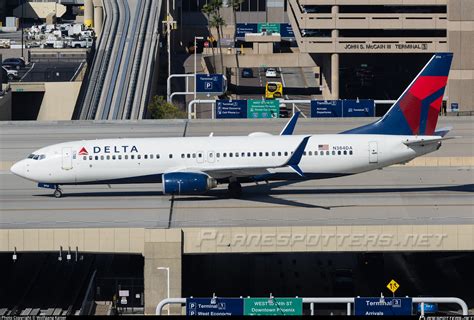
<point x="251" y="170"/>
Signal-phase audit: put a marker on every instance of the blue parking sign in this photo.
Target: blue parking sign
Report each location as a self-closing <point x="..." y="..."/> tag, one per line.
<point x="210" y="83"/>
<point x="214" y="306"/>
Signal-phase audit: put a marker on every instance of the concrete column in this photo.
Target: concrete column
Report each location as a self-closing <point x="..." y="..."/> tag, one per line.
<point x="163" y="253"/>
<point x="335" y="61"/>
<point x="98" y="20"/>
<point x="88" y="13"/>
<point x="335" y="76"/>
<point x="335" y="11"/>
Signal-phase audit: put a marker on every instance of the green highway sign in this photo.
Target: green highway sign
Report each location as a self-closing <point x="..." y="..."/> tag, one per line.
<point x="273" y="306"/>
<point x="273" y="27"/>
<point x="263" y="109"/>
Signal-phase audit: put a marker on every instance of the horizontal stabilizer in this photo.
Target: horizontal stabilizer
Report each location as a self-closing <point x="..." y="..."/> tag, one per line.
<point x="424" y="142"/>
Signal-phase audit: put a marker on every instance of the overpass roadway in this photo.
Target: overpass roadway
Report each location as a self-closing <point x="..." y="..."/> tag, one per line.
<point x="436" y="189"/>
<point x="124" y="62"/>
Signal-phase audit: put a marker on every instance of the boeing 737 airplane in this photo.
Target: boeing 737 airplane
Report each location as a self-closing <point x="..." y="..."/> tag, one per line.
<point x="195" y="165"/>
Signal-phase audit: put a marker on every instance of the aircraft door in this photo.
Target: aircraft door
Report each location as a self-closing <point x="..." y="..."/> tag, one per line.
<point x="211" y="156"/>
<point x="67" y="159"/>
<point x="200" y="157"/>
<point x="373" y="152"/>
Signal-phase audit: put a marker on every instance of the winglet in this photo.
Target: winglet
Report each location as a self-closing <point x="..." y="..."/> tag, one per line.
<point x="295" y="158"/>
<point x="290" y="126"/>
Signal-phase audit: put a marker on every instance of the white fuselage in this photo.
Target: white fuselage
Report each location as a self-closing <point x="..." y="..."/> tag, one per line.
<point x="143" y="160"/>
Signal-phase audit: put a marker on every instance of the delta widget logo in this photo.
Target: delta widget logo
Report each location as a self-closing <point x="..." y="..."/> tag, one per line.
<point x="83" y="152"/>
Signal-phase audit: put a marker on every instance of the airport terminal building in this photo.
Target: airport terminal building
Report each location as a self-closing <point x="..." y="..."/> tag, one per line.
<point x="367" y="48"/>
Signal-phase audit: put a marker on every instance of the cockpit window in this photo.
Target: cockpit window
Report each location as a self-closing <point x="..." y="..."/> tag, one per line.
<point x="37" y="156"/>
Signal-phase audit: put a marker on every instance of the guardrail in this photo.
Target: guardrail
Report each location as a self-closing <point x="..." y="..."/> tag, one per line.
<point x="191" y="111"/>
<point x="348" y="301"/>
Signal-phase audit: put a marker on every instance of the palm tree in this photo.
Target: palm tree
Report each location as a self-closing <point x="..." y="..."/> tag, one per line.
<point x="235" y="4"/>
<point x="218" y="22"/>
<point x="215" y="20"/>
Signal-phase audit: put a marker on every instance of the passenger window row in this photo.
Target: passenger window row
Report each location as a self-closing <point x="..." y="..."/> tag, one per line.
<point x="211" y="155"/>
<point x="124" y="157"/>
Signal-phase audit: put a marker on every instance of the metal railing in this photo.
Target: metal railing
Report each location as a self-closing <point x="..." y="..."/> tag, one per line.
<point x="347" y="301"/>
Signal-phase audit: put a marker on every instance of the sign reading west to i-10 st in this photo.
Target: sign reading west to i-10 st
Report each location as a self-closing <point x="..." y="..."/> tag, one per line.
<point x="273" y="306"/>
<point x="211" y="83"/>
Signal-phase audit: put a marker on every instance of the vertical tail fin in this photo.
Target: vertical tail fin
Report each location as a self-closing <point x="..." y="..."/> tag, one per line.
<point x="416" y="110"/>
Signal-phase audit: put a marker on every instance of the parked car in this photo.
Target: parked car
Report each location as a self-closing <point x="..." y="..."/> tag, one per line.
<point x="247" y="73"/>
<point x="271" y="73"/>
<point x="84" y="43"/>
<point x="11" y="74"/>
<point x="15" y="63"/>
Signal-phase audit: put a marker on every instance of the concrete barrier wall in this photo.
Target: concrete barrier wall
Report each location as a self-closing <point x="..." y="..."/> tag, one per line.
<point x="59" y="100"/>
<point x="329" y="238"/>
<point x="242" y="239"/>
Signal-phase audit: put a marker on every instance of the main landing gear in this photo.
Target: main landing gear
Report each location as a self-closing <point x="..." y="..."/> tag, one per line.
<point x="235" y="189"/>
<point x="58" y="193"/>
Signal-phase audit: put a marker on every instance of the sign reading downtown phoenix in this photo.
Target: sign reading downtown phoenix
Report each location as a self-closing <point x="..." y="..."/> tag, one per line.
<point x="263" y="108"/>
<point x="273" y="306"/>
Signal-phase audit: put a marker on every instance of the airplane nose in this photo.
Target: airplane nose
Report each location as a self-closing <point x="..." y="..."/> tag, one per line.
<point x="18" y="169"/>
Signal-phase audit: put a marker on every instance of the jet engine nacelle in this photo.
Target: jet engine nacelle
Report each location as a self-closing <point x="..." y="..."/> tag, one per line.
<point x="187" y="183"/>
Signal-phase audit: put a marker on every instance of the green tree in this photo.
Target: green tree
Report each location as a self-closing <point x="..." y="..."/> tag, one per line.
<point x="161" y="109"/>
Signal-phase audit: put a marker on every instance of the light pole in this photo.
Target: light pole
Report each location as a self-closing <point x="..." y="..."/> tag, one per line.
<point x="21" y="26"/>
<point x="195" y="63"/>
<point x="168" y="283"/>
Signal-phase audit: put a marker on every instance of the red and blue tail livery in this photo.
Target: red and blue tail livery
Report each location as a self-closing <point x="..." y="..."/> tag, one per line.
<point x="416" y="110"/>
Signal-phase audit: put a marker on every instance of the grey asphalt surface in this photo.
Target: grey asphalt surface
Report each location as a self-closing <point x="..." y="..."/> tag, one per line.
<point x="396" y="195"/>
<point x="56" y="71"/>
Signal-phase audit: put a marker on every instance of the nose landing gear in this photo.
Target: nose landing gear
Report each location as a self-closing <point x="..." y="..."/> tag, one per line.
<point x="58" y="193"/>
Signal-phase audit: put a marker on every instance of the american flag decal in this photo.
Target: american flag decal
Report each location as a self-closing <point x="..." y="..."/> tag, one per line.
<point x="323" y="147"/>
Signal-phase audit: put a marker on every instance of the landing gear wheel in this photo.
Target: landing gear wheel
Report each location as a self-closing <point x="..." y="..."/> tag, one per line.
<point x="235" y="190"/>
<point x="58" y="193"/>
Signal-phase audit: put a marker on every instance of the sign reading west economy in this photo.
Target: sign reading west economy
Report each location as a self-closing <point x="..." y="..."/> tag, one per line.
<point x="383" y="306"/>
<point x="214" y="306"/>
<point x="326" y="108"/>
<point x="210" y="83"/>
<point x="358" y="108"/>
<point x="273" y="306"/>
<point x="231" y="109"/>
<point x="263" y="108"/>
